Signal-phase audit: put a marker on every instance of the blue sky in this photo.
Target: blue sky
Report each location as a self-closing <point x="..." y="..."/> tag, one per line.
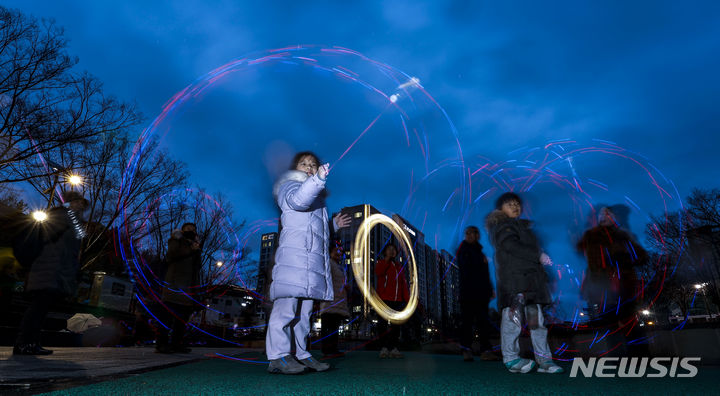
<point x="510" y="75"/>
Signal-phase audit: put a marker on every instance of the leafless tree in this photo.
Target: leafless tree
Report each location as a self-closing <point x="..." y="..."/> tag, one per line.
<point x="44" y="103"/>
<point x="224" y="260"/>
<point x="690" y="240"/>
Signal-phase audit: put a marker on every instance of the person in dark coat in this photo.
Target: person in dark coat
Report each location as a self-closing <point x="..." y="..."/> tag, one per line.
<point x="522" y="285"/>
<point x="53" y="272"/>
<point x="332" y="313"/>
<point x="476" y="291"/>
<point x="183" y="272"/>
<point x="612" y="255"/>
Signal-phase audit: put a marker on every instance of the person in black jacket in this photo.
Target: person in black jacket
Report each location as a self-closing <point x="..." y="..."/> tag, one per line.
<point x="53" y="273"/>
<point x="183" y="272"/>
<point x="476" y="291"/>
<point x="522" y="285"/>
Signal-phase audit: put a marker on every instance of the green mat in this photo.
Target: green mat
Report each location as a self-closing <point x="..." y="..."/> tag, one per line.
<point x="362" y="373"/>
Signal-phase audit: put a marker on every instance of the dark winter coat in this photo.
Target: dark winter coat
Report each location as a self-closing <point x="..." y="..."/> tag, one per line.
<point x="56" y="267"/>
<point x="183" y="271"/>
<point x="475" y="282"/>
<point x="517" y="260"/>
<point x="612" y="255"/>
<point x="339" y="305"/>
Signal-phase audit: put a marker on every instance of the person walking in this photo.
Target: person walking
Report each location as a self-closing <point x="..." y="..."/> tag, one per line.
<point x="476" y="291"/>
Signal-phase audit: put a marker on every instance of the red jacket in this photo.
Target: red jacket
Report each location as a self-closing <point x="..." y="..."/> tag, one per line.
<point x="391" y="283"/>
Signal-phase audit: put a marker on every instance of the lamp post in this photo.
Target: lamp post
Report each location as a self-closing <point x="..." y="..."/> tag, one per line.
<point x="701" y="287"/>
<point x="71" y="178"/>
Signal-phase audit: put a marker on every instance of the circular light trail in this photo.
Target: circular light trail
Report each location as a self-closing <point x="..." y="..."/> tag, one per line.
<point x="361" y="268"/>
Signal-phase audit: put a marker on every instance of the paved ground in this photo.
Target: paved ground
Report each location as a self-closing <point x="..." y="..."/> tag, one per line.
<point x="71" y="366"/>
<point x="363" y="373"/>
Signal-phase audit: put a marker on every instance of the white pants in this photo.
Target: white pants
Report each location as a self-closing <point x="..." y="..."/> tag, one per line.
<point x="510" y="338"/>
<point x="288" y="316"/>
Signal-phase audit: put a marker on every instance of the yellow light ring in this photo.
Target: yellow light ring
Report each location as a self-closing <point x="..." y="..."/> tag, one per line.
<point x="361" y="263"/>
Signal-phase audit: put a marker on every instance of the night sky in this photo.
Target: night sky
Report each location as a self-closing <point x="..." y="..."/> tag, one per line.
<point x="509" y="76"/>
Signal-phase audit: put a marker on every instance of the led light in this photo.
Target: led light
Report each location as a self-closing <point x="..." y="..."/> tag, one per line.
<point x="361" y="268"/>
<point x="645" y="312"/>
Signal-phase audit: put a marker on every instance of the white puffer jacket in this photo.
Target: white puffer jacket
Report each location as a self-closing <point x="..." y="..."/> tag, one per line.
<point x="302" y="262"/>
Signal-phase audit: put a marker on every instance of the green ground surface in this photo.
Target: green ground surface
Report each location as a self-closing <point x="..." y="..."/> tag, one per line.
<point x="362" y="373"/>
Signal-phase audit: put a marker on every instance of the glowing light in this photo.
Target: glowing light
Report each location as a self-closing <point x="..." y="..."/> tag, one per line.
<point x="651" y="323"/>
<point x="361" y="268"/>
<point x="413" y="82"/>
<point x="75" y="180"/>
<point x="39" y="215"/>
<point x="700" y="285"/>
<point x="219" y="264"/>
<point x="645" y="312"/>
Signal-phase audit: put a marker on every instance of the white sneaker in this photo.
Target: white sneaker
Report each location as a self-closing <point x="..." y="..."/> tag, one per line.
<point x="549" y="367"/>
<point x="384" y="353"/>
<point x="520" y="365"/>
<point x="396" y="354"/>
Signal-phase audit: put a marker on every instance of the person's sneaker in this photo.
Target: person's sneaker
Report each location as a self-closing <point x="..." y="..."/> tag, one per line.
<point x="549" y="367"/>
<point x="489" y="356"/>
<point x="181" y="349"/>
<point x="313" y="364"/>
<point x="384" y="353"/>
<point x="30" y="349"/>
<point x="467" y="355"/>
<point x="163" y="349"/>
<point x="285" y="365"/>
<point x="395" y="354"/>
<point x="520" y="365"/>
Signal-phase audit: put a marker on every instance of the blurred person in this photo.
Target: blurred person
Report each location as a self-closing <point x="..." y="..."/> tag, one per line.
<point x="393" y="289"/>
<point x="612" y="255"/>
<point x="522" y="285"/>
<point x="332" y="313"/>
<point x="476" y="291"/>
<point x="183" y="261"/>
<point x="53" y="271"/>
<point x="611" y="285"/>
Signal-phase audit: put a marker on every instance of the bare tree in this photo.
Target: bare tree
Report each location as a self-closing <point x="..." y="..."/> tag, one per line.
<point x="224" y="260"/>
<point x="690" y="240"/>
<point x="44" y="103"/>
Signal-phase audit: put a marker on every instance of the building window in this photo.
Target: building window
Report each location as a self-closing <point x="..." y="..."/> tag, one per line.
<point x="265" y="237"/>
<point x="358" y="214"/>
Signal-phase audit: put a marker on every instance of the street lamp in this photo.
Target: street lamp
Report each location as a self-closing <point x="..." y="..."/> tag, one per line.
<point x="39" y="216"/>
<point x="219" y="264"/>
<point x="645" y="312"/>
<point x="74" y="179"/>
